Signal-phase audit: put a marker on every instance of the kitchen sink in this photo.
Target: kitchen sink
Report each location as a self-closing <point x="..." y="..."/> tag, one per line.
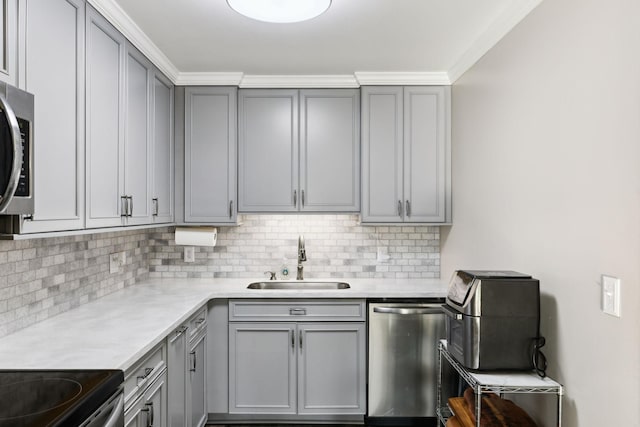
<point x="298" y="285"/>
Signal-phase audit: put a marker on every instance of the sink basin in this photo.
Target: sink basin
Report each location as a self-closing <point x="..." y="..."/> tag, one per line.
<point x="297" y="285"/>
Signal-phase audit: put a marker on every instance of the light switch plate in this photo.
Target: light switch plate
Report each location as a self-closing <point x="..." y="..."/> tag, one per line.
<point x="189" y="254"/>
<point x="611" y="295"/>
<point x="114" y="263"/>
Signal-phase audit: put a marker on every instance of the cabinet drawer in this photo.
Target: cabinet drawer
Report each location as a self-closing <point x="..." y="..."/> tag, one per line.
<point x="198" y="322"/>
<point x="144" y="372"/>
<point x="292" y="310"/>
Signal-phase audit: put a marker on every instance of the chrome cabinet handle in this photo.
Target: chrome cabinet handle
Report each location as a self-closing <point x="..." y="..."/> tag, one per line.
<point x="149" y="410"/>
<point x="293" y="338"/>
<point x="123" y="205"/>
<point x="302" y="197"/>
<point x="231" y="209"/>
<point x="116" y="414"/>
<point x="295" y="198"/>
<point x="408" y="310"/>
<point x="130" y="205"/>
<point x="181" y="331"/>
<point x="297" y="311"/>
<point x="155" y="206"/>
<point x="193" y="361"/>
<point x="147" y="372"/>
<point x="408" y="208"/>
<point x="300" y="336"/>
<point x="16" y="142"/>
<point x="400" y="208"/>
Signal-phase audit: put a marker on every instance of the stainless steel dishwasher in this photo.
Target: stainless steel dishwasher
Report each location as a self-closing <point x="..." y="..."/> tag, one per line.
<point x="403" y="362"/>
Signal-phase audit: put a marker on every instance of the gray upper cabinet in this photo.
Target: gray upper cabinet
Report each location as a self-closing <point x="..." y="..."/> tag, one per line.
<point x="298" y="150"/>
<point x="268" y="150"/>
<point x="406" y="154"/>
<point x="57" y="55"/>
<point x="129" y="132"/>
<point x="105" y="122"/>
<point x="210" y="155"/>
<point x="163" y="149"/>
<point x="9" y="30"/>
<point x="330" y="150"/>
<point x="137" y="137"/>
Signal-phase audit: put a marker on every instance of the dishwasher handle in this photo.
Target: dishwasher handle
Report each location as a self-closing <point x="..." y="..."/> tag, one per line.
<point x="451" y="312"/>
<point x="408" y="310"/>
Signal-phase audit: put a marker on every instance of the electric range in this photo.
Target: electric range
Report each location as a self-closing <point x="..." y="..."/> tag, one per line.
<point x="56" y="398"/>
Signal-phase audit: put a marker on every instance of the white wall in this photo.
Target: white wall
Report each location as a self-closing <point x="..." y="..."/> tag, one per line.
<point x="546" y="178"/>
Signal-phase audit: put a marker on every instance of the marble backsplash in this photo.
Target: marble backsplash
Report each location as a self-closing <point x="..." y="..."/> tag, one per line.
<point x="42" y="277"/>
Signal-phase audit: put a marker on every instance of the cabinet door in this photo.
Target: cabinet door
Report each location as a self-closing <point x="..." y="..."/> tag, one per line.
<point x="332" y="368"/>
<point x="262" y="368"/>
<point x="162" y="148"/>
<point x="330" y="150"/>
<point x="59" y="111"/>
<point x="210" y="155"/>
<point x="134" y="417"/>
<point x="268" y="150"/>
<point x="424" y="153"/>
<point x="137" y="142"/>
<point x="382" y="156"/>
<point x="9" y="40"/>
<point x="177" y="378"/>
<point x="197" y="377"/>
<point x="105" y="115"/>
<point x="155" y="403"/>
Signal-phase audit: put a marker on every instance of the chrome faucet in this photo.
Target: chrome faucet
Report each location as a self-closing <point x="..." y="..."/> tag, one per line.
<point x="302" y="256"/>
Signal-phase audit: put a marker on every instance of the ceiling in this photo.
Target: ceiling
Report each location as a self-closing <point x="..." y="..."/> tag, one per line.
<point x="354" y="42"/>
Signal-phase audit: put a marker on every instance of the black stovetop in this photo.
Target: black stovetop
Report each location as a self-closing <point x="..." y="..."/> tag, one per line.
<point x="30" y="398"/>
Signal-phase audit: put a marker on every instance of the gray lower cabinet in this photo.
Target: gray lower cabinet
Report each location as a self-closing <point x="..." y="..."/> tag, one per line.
<point x="262" y="368"/>
<point x="288" y="366"/>
<point x="145" y="390"/>
<point x="197" y="379"/>
<point x="177" y="377"/>
<point x="298" y="150"/>
<point x="210" y="155"/>
<point x="150" y="409"/>
<point x="186" y="357"/>
<point x="406" y="154"/>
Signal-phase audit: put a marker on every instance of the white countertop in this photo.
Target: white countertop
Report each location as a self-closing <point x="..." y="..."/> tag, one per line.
<point x="116" y="330"/>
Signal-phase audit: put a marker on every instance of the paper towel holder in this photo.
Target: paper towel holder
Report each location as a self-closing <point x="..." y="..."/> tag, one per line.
<point x="196" y="236"/>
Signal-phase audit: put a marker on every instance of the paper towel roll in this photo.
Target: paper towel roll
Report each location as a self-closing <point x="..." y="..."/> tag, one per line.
<point x="196" y="236"/>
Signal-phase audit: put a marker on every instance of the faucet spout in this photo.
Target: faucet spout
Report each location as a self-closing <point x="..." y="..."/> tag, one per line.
<point x="302" y="256"/>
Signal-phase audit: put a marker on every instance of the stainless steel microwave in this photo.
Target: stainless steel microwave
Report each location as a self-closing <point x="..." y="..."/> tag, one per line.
<point x="16" y="151"/>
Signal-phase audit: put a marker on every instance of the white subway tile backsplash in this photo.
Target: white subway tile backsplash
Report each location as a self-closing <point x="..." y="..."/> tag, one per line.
<point x="41" y="278"/>
<point x="336" y="245"/>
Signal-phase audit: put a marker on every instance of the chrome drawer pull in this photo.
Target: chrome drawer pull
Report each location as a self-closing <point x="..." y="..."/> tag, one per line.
<point x="298" y="311"/>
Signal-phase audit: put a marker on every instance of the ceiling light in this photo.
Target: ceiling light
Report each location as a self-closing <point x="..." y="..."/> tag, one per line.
<point x="280" y="11"/>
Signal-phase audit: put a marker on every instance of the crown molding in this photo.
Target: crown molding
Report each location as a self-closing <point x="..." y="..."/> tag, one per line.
<point x="123" y="23"/>
<point x="209" y="79"/>
<point x="367" y="78"/>
<point x="507" y="20"/>
<point x="298" y="81"/>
